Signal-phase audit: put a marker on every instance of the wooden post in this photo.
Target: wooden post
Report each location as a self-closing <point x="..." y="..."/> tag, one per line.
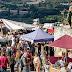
<point x="63" y="17"/>
<point x="42" y="49"/>
<point x="48" y="52"/>
<point x="43" y="57"/>
<point x="71" y="21"/>
<point x="66" y="53"/>
<point x="65" y="57"/>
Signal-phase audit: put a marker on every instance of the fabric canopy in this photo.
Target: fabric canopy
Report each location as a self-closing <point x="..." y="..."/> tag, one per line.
<point x="38" y="36"/>
<point x="48" y="25"/>
<point x="2" y="25"/>
<point x="3" y="39"/>
<point x="63" y="42"/>
<point x="35" y="28"/>
<point x="50" y="30"/>
<point x="24" y="25"/>
<point x="11" y="25"/>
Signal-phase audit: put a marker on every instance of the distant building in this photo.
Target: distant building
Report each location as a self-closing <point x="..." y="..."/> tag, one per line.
<point x="48" y="25"/>
<point x="41" y="0"/>
<point x="3" y="10"/>
<point x="23" y="0"/>
<point x="33" y="1"/>
<point x="15" y="11"/>
<point x="20" y="12"/>
<point x="27" y="0"/>
<point x="36" y="21"/>
<point x="64" y="3"/>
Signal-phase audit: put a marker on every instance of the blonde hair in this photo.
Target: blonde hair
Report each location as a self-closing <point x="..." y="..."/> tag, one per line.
<point x="18" y="54"/>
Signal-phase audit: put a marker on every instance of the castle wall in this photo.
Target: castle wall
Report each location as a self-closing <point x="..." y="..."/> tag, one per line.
<point x="58" y="32"/>
<point x="62" y="30"/>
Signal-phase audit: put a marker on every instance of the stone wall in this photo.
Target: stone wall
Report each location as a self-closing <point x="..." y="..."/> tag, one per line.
<point x="58" y="32"/>
<point x="62" y="30"/>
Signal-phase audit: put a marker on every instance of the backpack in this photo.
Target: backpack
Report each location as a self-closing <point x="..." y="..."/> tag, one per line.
<point x="12" y="62"/>
<point x="22" y="64"/>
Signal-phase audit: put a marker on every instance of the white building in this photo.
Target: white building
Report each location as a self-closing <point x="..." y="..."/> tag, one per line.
<point x="48" y="25"/>
<point x="36" y="21"/>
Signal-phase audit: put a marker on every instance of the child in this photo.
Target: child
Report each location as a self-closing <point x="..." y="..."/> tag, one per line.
<point x="47" y="66"/>
<point x="64" y="69"/>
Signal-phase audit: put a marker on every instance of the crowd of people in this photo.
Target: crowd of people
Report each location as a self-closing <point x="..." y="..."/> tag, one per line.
<point x="20" y="53"/>
<point x="25" y="56"/>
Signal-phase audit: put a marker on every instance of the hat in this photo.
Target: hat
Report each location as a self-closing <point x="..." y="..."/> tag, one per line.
<point x="8" y="32"/>
<point x="20" y="48"/>
<point x="28" y="47"/>
<point x="65" y="64"/>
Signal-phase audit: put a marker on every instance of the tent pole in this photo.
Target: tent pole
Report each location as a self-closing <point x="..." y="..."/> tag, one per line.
<point x="66" y="55"/>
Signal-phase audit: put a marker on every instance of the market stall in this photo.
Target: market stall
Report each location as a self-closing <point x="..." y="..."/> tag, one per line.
<point x="20" y="24"/>
<point x="38" y="36"/>
<point x="11" y="26"/>
<point x="64" y="42"/>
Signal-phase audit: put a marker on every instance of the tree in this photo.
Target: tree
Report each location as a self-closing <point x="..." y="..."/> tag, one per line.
<point x="18" y="11"/>
<point x="9" y="11"/>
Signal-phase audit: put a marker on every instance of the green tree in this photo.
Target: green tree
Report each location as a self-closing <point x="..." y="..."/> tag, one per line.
<point x="18" y="12"/>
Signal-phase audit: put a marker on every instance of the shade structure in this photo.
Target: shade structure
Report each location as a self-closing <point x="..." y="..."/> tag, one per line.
<point x="35" y="28"/>
<point x="38" y="36"/>
<point x="2" y="25"/>
<point x="20" y="24"/>
<point x="3" y="39"/>
<point x="51" y="31"/>
<point x="11" y="25"/>
<point x="63" y="42"/>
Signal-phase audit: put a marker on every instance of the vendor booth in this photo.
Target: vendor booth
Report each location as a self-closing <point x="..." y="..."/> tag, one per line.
<point x="64" y="42"/>
<point x="20" y="25"/>
<point x="38" y="36"/>
<point x="11" y="26"/>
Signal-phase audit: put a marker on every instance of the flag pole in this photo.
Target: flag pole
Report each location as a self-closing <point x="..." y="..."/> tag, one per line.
<point x="1" y="25"/>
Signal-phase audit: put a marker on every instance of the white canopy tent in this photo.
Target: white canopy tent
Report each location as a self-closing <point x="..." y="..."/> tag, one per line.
<point x="3" y="39"/>
<point x="48" y="25"/>
<point x="24" y="25"/>
<point x="11" y="25"/>
<point x="35" y="28"/>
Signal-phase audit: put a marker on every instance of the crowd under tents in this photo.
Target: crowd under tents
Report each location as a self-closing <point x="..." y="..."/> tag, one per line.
<point x="38" y="36"/>
<point x="64" y="42"/>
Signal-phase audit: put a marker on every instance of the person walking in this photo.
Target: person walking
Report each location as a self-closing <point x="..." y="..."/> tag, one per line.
<point x="28" y="56"/>
<point x="18" y="55"/>
<point x="4" y="61"/>
<point x="12" y="63"/>
<point x="36" y="62"/>
<point x="13" y="40"/>
<point x="25" y="63"/>
<point x="64" y="69"/>
<point x="46" y="66"/>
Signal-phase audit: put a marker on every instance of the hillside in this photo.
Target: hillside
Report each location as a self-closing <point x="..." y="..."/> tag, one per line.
<point x="46" y="0"/>
<point x="10" y="0"/>
<point x="48" y="11"/>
